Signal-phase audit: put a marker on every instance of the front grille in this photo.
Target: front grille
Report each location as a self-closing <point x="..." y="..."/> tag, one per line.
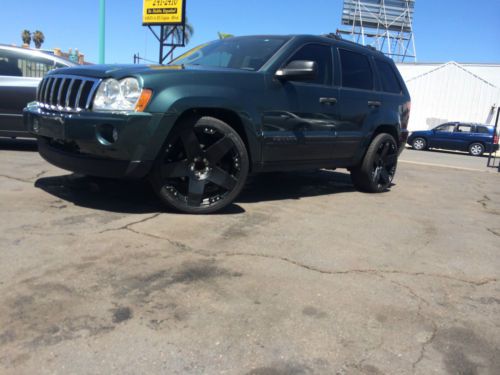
<point x="67" y="93"/>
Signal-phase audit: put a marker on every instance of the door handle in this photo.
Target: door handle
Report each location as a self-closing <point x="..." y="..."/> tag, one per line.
<point x="328" y="101"/>
<point x="374" y="103"/>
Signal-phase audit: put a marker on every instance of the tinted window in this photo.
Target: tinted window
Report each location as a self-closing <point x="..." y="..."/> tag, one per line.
<point x="389" y="79"/>
<point x="482" y="130"/>
<point x="248" y="53"/>
<point x="464" y="128"/>
<point x="23" y="65"/>
<point x="446" y="128"/>
<point x="356" y="70"/>
<point x="322" y="55"/>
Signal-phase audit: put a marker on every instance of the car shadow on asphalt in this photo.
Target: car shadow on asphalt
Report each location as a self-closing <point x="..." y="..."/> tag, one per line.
<point x="137" y="197"/>
<point x="18" y="144"/>
<point x="295" y="185"/>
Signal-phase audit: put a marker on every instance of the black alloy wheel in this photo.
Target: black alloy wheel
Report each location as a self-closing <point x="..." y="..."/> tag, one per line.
<point x="376" y="172"/>
<point x="202" y="168"/>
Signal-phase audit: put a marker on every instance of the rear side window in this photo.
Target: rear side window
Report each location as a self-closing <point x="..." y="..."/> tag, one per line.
<point x="322" y="55"/>
<point x="482" y="130"/>
<point x="356" y="70"/>
<point x="23" y="65"/>
<point x="388" y="77"/>
<point x="464" y="128"/>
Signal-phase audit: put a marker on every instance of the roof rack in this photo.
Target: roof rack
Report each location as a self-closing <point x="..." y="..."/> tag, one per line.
<point x="338" y="36"/>
<point x="335" y="36"/>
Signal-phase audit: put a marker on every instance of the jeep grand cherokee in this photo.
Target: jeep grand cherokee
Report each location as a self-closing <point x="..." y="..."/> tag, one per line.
<point x="198" y="126"/>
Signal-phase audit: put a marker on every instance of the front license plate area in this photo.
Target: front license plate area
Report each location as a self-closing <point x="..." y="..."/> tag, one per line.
<point x="48" y="127"/>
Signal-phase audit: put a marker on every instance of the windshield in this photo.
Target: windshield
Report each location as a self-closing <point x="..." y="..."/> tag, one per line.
<point x="248" y="53"/>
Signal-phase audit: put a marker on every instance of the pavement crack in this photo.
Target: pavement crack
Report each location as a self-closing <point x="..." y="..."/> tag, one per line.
<point x="495" y="232"/>
<point x="484" y="201"/>
<point x="129" y="225"/>
<point x="375" y="272"/>
<point x="172" y="242"/>
<point x="424" y="347"/>
<point x="16" y="178"/>
<point x="367" y="271"/>
<point x="38" y="175"/>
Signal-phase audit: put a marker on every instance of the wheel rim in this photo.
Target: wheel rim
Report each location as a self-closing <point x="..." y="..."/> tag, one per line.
<point x="201" y="167"/>
<point x="385" y="162"/>
<point x="418" y="144"/>
<point x="476" y="149"/>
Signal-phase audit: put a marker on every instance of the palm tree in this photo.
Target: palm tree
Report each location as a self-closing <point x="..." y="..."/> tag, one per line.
<point x="224" y="35"/>
<point x="177" y="33"/>
<point x="26" y="37"/>
<point x="38" y="38"/>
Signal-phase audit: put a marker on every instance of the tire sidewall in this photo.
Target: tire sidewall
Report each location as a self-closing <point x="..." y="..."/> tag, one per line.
<point x="362" y="175"/>
<point x="159" y="184"/>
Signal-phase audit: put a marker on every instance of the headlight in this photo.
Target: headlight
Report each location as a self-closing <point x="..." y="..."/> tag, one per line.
<point x="113" y="95"/>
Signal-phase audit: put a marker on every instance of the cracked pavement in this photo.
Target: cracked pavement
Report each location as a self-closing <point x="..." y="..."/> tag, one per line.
<point x="303" y="275"/>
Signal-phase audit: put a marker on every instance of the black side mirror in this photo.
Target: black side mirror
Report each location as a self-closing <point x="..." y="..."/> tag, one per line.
<point x="299" y="70"/>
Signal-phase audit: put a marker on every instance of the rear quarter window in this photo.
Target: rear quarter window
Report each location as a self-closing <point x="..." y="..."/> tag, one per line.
<point x="388" y="77"/>
<point x="356" y="70"/>
<point x="482" y="130"/>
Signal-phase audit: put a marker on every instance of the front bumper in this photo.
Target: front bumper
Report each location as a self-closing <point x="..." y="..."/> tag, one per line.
<point x="83" y="142"/>
<point x="89" y="165"/>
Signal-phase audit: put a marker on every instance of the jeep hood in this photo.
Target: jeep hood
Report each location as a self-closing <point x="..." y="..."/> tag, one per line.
<point x="121" y="71"/>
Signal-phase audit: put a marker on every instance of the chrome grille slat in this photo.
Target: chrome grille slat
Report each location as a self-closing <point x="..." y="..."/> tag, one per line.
<point x="91" y="94"/>
<point x="46" y="93"/>
<point x="60" y="91"/>
<point x="79" y="95"/>
<point x="40" y="90"/>
<point x="52" y="89"/>
<point x="67" y="93"/>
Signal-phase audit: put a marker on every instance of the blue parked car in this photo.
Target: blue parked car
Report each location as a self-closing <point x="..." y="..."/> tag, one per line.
<point x="473" y="138"/>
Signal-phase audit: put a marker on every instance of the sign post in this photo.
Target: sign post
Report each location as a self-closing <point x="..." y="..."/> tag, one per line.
<point x="170" y="15"/>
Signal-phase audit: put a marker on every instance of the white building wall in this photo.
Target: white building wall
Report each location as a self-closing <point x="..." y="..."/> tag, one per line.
<point x="451" y="92"/>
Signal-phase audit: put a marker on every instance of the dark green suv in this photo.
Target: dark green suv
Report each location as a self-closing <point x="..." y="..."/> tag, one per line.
<point x="197" y="127"/>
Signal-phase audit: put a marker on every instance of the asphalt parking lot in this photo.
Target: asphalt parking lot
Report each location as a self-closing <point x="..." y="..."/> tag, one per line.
<point x="303" y="275"/>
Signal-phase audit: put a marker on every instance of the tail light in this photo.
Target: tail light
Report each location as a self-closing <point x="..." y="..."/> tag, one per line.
<point x="495" y="139"/>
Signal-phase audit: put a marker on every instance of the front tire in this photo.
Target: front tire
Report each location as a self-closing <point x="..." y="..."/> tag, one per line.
<point x="476" y="149"/>
<point x="419" y="144"/>
<point x="202" y="168"/>
<point x="377" y="170"/>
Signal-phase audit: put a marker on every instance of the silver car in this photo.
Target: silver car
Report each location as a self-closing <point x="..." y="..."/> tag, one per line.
<point x="21" y="70"/>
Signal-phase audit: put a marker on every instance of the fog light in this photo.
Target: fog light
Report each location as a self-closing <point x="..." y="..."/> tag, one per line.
<point x="106" y="134"/>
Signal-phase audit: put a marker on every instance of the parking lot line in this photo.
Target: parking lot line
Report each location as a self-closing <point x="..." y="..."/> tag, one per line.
<point x="442" y="166"/>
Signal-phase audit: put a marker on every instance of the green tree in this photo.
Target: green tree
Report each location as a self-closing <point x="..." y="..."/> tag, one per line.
<point x="224" y="35"/>
<point x="26" y="37"/>
<point x="38" y="38"/>
<point x="177" y="34"/>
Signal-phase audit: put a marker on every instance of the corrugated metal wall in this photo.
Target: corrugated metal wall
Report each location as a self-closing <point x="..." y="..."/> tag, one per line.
<point x="451" y="92"/>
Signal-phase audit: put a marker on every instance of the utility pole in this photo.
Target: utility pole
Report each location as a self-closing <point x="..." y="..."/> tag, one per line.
<point x="102" y="31"/>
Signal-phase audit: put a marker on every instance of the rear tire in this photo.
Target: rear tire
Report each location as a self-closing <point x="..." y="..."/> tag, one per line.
<point x="476" y="149"/>
<point x="202" y="168"/>
<point x="419" y="144"/>
<point x="377" y="170"/>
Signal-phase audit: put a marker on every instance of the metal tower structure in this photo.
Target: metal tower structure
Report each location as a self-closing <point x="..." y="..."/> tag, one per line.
<point x="386" y="25"/>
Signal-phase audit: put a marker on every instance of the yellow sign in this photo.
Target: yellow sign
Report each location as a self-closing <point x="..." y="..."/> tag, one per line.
<point x="163" y="12"/>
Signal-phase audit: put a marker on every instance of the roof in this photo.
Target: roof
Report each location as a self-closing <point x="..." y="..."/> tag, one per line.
<point x="37" y="52"/>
